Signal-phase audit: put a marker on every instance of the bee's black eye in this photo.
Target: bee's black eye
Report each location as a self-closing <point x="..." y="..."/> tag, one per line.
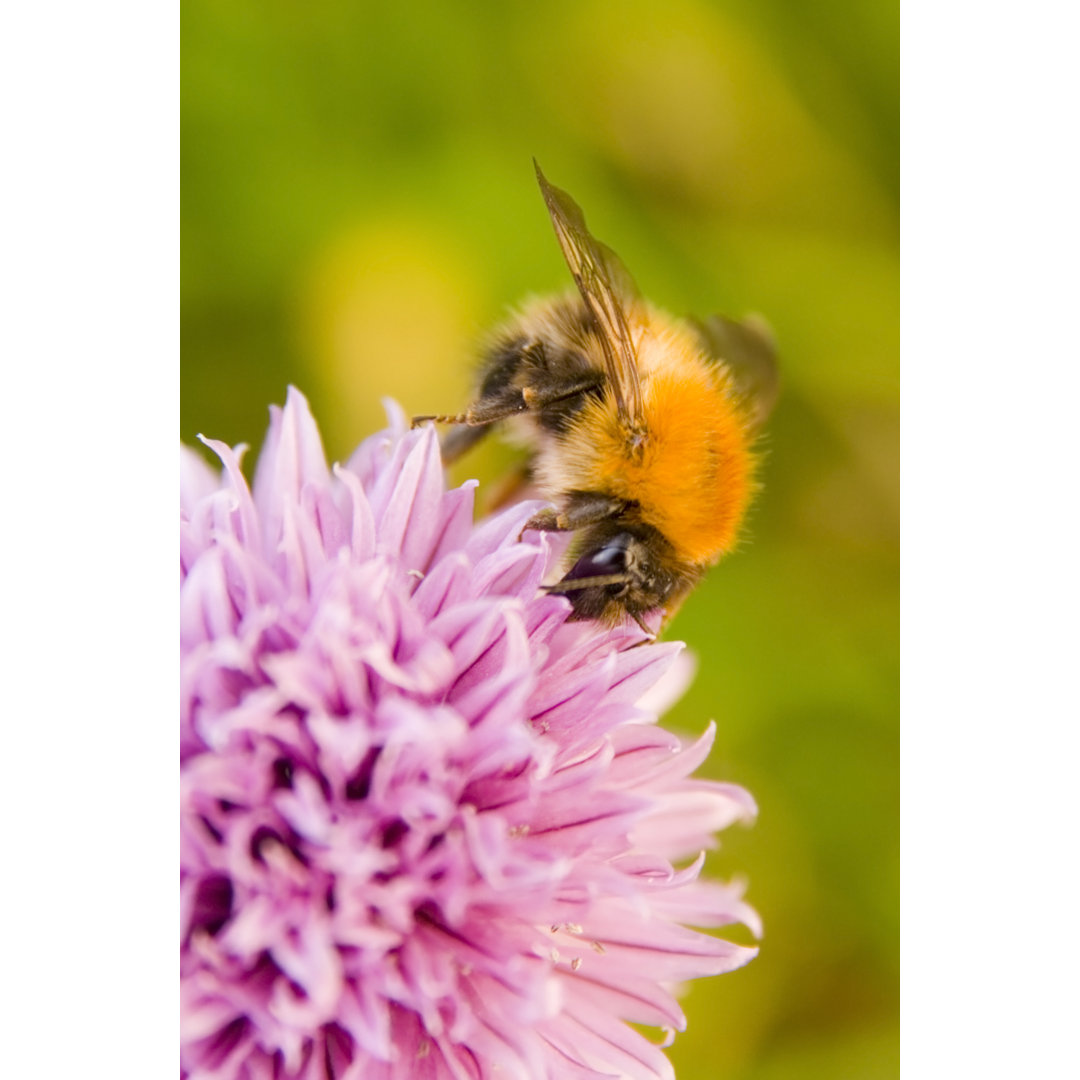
<point x="607" y="560"/>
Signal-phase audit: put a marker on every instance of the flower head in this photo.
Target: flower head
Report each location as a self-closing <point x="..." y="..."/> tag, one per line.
<point x="429" y="828"/>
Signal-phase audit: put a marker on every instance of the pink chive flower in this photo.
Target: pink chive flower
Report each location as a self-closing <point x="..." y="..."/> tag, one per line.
<point x="429" y="828"/>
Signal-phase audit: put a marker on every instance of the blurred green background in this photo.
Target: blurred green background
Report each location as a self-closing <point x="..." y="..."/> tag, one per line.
<point x="358" y="206"/>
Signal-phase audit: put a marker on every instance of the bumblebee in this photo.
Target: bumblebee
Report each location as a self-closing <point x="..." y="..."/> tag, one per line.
<point x="641" y="427"/>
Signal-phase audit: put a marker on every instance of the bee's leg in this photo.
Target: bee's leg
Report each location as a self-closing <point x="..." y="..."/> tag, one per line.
<point x="665" y="621"/>
<point x="499" y="396"/>
<point x="541" y="395"/>
<point x="580" y="509"/>
<point x="513" y="400"/>
<point x="475" y="422"/>
<point x="651" y="635"/>
<point x="671" y="608"/>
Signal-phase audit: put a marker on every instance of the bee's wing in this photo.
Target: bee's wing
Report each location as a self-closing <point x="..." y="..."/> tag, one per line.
<point x="749" y="351"/>
<point x="607" y="290"/>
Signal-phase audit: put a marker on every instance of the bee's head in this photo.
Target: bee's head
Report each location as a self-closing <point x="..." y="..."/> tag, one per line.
<point x="621" y="570"/>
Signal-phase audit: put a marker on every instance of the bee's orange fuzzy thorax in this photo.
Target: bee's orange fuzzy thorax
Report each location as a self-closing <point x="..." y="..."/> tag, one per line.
<point x="693" y="477"/>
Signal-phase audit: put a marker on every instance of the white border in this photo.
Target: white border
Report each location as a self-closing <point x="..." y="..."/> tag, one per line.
<point x="990" y="414"/>
<point x="90" y="101"/>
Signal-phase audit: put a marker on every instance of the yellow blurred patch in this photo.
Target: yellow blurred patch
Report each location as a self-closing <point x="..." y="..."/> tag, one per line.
<point x="388" y="309"/>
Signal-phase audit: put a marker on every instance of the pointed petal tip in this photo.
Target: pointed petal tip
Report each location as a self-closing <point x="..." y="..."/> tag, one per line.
<point x="396" y="420"/>
<point x="295" y="397"/>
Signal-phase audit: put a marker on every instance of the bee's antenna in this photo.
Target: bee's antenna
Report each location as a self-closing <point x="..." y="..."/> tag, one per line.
<point x="587" y="583"/>
<point x="440" y="418"/>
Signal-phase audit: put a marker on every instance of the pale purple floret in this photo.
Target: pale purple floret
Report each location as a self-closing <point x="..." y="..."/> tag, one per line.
<point x="427" y="831"/>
